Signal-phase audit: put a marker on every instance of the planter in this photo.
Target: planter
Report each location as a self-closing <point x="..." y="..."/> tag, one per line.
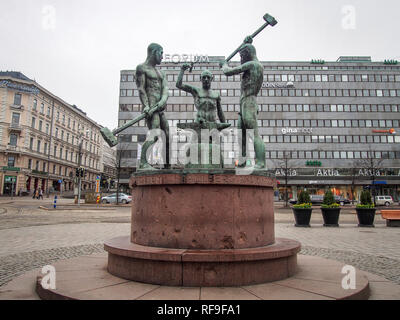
<point x="302" y="217"/>
<point x="366" y="217"/>
<point x="331" y="216"/>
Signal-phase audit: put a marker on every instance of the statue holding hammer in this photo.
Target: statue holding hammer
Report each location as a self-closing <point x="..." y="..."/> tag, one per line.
<point x="252" y="79"/>
<point x="153" y="93"/>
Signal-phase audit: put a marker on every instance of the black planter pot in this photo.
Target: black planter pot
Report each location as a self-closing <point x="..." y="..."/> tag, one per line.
<point x="302" y="217"/>
<point x="331" y="216"/>
<point x="366" y="217"/>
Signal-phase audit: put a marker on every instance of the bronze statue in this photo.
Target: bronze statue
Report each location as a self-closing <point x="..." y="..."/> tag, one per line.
<point x="252" y="79"/>
<point x="153" y="93"/>
<point x="206" y="101"/>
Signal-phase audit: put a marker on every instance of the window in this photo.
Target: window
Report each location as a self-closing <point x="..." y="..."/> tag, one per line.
<point x="17" y="99"/>
<point x="30" y="164"/>
<point x="40" y="125"/>
<point x="15" y="118"/>
<point x="31" y="143"/>
<point x="11" y="161"/>
<point x="38" y="146"/>
<point x="48" y="111"/>
<point x="13" y="139"/>
<point x="33" y="122"/>
<point x="42" y="108"/>
<point x="45" y="148"/>
<point x="47" y="128"/>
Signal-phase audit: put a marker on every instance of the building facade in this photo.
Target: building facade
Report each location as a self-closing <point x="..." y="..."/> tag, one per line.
<point x="109" y="166"/>
<point x="40" y="136"/>
<point x="326" y="125"/>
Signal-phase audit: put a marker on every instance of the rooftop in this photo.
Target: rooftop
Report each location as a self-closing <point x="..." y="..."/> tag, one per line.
<point x="14" y="74"/>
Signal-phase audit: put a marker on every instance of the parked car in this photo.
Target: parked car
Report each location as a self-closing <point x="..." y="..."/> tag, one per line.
<point x="315" y="199"/>
<point x="384" y="201"/>
<point x="112" y="198"/>
<point x="341" y="200"/>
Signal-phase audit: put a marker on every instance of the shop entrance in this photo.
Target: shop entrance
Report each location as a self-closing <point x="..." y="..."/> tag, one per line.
<point x="10" y="183"/>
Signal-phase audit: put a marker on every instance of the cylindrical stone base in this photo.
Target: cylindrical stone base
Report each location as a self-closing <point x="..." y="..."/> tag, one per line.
<point x="202" y="210"/>
<point x="202" y="268"/>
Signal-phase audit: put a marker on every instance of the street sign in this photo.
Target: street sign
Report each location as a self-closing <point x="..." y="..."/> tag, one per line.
<point x="60" y="181"/>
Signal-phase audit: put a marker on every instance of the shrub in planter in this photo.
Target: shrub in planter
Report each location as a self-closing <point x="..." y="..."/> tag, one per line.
<point x="365" y="210"/>
<point x="302" y="211"/>
<point x="330" y="210"/>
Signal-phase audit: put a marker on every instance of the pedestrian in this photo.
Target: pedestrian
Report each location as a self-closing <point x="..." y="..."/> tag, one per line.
<point x="37" y="194"/>
<point x="41" y="194"/>
<point x="34" y="194"/>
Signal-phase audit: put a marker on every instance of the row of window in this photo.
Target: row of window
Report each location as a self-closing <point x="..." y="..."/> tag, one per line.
<point x="330" y="123"/>
<point x="304" y="68"/>
<point x="62" y="171"/>
<point x="325" y="93"/>
<point x="93" y="136"/>
<point x="330" y="139"/>
<point x="332" y="77"/>
<point x="328" y="108"/>
<point x="132" y="154"/>
<point x="288" y="139"/>
<point x="62" y="136"/>
<point x="287" y="93"/>
<point x="279" y="108"/>
<point x="298" y="123"/>
<point x="59" y="153"/>
<point x="334" y="155"/>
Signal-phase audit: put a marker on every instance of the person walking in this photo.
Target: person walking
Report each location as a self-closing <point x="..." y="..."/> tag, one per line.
<point x="34" y="194"/>
<point x="41" y="194"/>
<point x="37" y="194"/>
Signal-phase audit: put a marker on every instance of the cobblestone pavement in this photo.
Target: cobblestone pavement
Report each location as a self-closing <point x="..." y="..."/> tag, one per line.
<point x="31" y="238"/>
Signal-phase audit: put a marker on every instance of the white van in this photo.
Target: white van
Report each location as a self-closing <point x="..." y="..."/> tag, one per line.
<point x="384" y="200"/>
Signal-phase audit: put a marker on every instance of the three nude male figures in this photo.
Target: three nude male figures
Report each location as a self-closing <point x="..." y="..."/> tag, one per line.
<point x="153" y="92"/>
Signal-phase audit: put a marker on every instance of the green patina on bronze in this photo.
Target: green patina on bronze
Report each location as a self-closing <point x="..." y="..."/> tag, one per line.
<point x="153" y="93"/>
<point x="252" y="79"/>
<point x="208" y="104"/>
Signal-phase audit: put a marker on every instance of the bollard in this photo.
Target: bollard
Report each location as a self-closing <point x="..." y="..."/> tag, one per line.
<point x="55" y="202"/>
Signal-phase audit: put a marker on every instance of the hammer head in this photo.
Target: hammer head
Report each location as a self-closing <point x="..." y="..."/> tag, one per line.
<point x="108" y="137"/>
<point x="270" y="19"/>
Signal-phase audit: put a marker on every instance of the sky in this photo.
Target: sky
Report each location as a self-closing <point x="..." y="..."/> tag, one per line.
<point x="77" y="48"/>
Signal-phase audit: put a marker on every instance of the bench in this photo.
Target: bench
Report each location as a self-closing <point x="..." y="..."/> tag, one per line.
<point x="392" y="217"/>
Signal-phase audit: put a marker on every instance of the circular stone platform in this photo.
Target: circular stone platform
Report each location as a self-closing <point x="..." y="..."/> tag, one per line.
<point x="86" y="278"/>
<point x="203" y="268"/>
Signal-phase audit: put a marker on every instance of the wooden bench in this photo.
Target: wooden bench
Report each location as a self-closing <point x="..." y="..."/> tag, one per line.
<point x="392" y="217"/>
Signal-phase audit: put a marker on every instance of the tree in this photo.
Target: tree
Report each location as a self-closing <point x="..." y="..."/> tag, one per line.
<point x="371" y="167"/>
<point x="122" y="149"/>
<point x="285" y="166"/>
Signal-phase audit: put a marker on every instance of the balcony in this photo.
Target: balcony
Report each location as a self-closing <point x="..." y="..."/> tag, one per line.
<point x="17" y="107"/>
<point x="12" y="149"/>
<point x="15" y="127"/>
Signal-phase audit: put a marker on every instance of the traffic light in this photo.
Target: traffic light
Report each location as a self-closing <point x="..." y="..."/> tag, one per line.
<point x="77" y="172"/>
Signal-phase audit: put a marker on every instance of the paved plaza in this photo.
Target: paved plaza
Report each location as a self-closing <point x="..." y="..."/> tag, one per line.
<point x="31" y="237"/>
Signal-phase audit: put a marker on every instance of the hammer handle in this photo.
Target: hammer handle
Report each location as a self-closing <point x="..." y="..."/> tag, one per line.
<point x="252" y="36"/>
<point x="129" y="124"/>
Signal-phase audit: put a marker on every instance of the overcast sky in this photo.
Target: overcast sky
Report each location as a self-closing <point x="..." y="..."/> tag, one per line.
<point x="76" y="48"/>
